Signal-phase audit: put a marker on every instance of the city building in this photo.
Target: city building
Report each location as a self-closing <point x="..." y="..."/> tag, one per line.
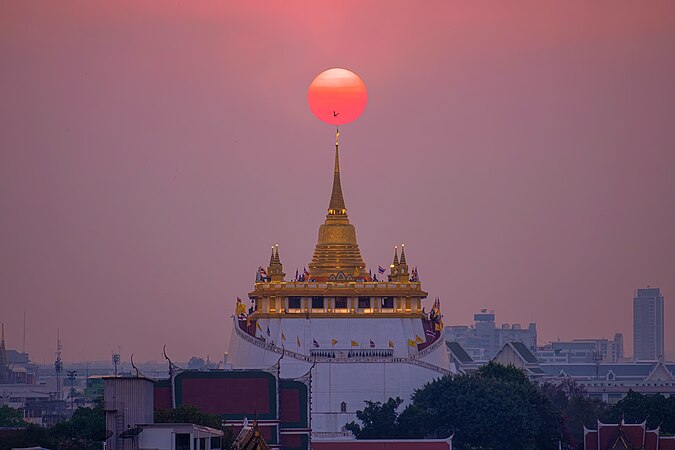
<point x="360" y="338"/>
<point x="484" y="339"/>
<point x="648" y="325"/>
<point x="582" y="351"/>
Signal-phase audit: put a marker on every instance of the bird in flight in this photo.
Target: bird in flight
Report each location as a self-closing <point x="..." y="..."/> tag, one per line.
<point x="335" y="114"/>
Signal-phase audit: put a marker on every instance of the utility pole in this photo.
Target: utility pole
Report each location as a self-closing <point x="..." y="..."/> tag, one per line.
<point x="71" y="376"/>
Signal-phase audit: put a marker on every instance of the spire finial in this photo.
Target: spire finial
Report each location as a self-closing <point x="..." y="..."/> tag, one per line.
<point x="403" y="254"/>
<point x="337" y="201"/>
<point x="276" y="254"/>
<point x="272" y="256"/>
<point x="395" y="263"/>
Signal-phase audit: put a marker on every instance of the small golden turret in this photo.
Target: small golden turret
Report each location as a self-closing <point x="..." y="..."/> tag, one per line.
<point x="402" y="272"/>
<point x="275" y="271"/>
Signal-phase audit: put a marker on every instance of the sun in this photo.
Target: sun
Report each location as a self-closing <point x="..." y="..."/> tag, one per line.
<point x="337" y="96"/>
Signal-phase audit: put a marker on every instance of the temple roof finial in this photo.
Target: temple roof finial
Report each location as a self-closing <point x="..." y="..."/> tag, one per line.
<point x="337" y="201"/>
<point x="272" y="256"/>
<point x="276" y="254"/>
<point x="403" y="254"/>
<point x="395" y="263"/>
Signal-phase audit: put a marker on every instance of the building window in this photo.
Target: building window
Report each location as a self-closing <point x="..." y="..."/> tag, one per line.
<point x="182" y="441"/>
<point x="317" y="302"/>
<point x="364" y="302"/>
<point x="343" y="407"/>
<point x="202" y="443"/>
<point x="215" y="442"/>
<point x="340" y="302"/>
<point x="294" y="303"/>
<point x="388" y="303"/>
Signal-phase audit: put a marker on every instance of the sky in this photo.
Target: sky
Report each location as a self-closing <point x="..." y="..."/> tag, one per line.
<point x="151" y="152"/>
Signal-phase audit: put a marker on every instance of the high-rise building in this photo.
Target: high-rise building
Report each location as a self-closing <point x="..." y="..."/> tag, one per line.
<point x="648" y="324"/>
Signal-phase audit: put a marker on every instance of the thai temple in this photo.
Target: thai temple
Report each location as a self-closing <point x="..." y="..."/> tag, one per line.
<point x="357" y="338"/>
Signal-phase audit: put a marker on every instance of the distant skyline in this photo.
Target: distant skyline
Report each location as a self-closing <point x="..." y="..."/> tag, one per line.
<point x="151" y="152"/>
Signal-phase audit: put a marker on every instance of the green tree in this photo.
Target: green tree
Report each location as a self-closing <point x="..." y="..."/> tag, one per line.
<point x="10" y="417"/>
<point x="378" y="419"/>
<point x="635" y="408"/>
<point x="495" y="408"/>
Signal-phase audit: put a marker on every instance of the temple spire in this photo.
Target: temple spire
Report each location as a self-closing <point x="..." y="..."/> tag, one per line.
<point x="395" y="263"/>
<point x="337" y="201"/>
<point x="276" y="254"/>
<point x="403" y="262"/>
<point x="272" y="256"/>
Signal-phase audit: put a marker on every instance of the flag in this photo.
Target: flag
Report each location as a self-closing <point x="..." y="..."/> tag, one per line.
<point x="315" y="344"/>
<point x="240" y="308"/>
<point x="372" y="344"/>
<point x="412" y="343"/>
<point x="333" y="341"/>
<point x="283" y="337"/>
<point x="391" y="343"/>
<point x="354" y="343"/>
<point x="437" y="327"/>
<point x="257" y="325"/>
<point x="296" y="274"/>
<point x="268" y="330"/>
<point x="381" y="269"/>
<point x="418" y="339"/>
<point x="298" y="339"/>
<point x="262" y="271"/>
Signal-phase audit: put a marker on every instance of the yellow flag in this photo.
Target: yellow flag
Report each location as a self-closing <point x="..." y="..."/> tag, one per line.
<point x="333" y="341"/>
<point x="283" y="336"/>
<point x="355" y="344"/>
<point x="391" y="343"/>
<point x="257" y="325"/>
<point x="412" y="343"/>
<point x="437" y="327"/>
<point x="418" y="339"/>
<point x="298" y="339"/>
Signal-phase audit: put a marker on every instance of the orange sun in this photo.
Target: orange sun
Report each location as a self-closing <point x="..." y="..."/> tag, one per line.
<point x="337" y="96"/>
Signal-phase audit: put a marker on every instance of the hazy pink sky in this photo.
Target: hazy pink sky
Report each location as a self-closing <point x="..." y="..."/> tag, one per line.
<point x="151" y="152"/>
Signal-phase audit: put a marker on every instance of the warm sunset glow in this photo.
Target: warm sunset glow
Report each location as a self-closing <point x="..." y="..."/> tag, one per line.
<point x="337" y="96"/>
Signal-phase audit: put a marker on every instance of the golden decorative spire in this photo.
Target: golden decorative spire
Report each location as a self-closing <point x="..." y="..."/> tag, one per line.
<point x="403" y="254"/>
<point x="337" y="255"/>
<point x="337" y="201"/>
<point x="276" y="255"/>
<point x="395" y="263"/>
<point x="272" y="256"/>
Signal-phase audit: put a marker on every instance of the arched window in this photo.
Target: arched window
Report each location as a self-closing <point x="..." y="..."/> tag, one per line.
<point x="343" y="407"/>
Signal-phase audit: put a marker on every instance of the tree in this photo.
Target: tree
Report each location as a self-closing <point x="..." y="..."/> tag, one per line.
<point x="10" y="417"/>
<point x="378" y="419"/>
<point x="635" y="408"/>
<point x="495" y="408"/>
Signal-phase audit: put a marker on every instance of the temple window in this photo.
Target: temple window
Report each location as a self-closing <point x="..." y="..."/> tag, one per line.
<point x="317" y="302"/>
<point x="294" y="303"/>
<point x="340" y="302"/>
<point x="364" y="303"/>
<point x="388" y="303"/>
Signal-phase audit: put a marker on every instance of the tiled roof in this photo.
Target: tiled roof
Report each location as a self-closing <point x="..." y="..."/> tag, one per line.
<point x="459" y="352"/>
<point x="524" y="352"/>
<point x="621" y="370"/>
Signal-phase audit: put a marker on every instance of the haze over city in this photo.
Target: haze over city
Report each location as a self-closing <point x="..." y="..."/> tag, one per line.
<point x="150" y="154"/>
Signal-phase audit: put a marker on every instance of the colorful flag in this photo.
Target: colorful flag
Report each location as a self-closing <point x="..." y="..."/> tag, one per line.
<point x="418" y="339"/>
<point x="372" y="344"/>
<point x="333" y="342"/>
<point x="240" y="308"/>
<point x="283" y="337"/>
<point x="381" y="269"/>
<point x="391" y="343"/>
<point x="315" y="344"/>
<point x="355" y="344"/>
<point x="412" y="343"/>
<point x="437" y="327"/>
<point x="298" y="339"/>
<point x="257" y="325"/>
